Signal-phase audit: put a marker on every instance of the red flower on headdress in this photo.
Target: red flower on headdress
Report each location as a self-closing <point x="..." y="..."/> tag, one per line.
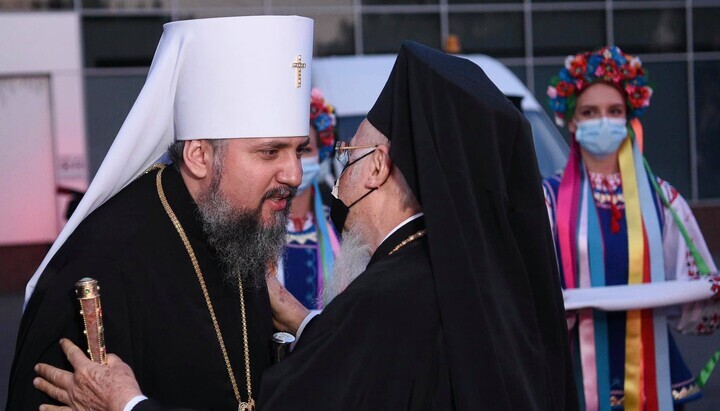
<point x="316" y="108"/>
<point x="326" y="137"/>
<point x="564" y="89"/>
<point x="608" y="69"/>
<point x="576" y="65"/>
<point x="638" y="96"/>
<point x="580" y="84"/>
<point x="628" y="71"/>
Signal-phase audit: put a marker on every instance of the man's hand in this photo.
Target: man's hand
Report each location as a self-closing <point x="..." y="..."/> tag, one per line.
<point x="91" y="387"/>
<point x="288" y="313"/>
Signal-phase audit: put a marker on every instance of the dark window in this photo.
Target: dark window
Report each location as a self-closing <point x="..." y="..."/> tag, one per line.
<point x="543" y="74"/>
<point x="677" y="2"/>
<point x="334" y="34"/>
<point x="383" y="33"/>
<point x="37" y="5"/>
<point x="567" y="32"/>
<point x="124" y="4"/>
<point x="706" y="34"/>
<point x="707" y="115"/>
<point x="395" y="2"/>
<point x="666" y="124"/>
<point x="650" y="31"/>
<point x="108" y="100"/>
<point x="482" y="1"/>
<point x="121" y="41"/>
<point x="495" y="34"/>
<point x="280" y="3"/>
<point x="520" y="72"/>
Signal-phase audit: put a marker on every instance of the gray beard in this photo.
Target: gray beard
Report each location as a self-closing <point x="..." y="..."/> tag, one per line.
<point x="243" y="244"/>
<point x="353" y="258"/>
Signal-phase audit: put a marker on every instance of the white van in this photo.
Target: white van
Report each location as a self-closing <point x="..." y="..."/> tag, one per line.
<point x="352" y="83"/>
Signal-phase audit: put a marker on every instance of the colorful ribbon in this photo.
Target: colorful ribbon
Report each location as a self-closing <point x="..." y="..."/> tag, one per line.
<point x="596" y="263"/>
<point x="636" y="245"/>
<point x="567" y="215"/>
<point x="586" y="326"/>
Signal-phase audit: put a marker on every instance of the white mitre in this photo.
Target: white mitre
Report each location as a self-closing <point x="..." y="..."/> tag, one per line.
<point x="232" y="77"/>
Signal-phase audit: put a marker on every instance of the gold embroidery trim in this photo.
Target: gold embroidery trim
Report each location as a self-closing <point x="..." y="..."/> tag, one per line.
<point x="408" y="240"/>
<point x="685" y="392"/>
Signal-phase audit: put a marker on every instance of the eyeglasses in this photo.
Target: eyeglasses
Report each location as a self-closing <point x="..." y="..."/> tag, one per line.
<point x="342" y="152"/>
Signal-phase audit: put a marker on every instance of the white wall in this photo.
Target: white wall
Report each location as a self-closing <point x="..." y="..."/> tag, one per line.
<point x="27" y="181"/>
<point x="49" y="44"/>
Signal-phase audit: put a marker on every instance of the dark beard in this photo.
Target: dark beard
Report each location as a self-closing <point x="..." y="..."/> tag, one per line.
<point x="243" y="244"/>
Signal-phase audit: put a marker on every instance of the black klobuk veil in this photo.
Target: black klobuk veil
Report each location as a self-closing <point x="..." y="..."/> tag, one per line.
<point x="467" y="153"/>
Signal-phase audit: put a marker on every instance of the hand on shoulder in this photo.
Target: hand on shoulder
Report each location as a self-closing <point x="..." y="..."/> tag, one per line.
<point x="91" y="386"/>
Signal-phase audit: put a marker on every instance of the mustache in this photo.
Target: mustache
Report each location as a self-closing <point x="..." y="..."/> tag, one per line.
<point x="283" y="192"/>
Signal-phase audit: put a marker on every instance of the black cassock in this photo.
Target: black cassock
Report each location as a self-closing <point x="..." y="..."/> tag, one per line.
<point x="377" y="346"/>
<point x="155" y="315"/>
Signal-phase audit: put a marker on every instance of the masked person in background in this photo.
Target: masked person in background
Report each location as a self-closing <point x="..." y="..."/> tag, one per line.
<point x="312" y="242"/>
<point x="616" y="224"/>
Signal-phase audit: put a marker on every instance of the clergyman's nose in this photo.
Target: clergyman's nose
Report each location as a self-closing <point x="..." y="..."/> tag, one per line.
<point x="292" y="173"/>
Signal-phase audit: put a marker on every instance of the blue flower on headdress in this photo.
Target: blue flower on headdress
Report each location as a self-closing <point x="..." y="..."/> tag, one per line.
<point x="593" y="62"/>
<point x="617" y="55"/>
<point x="566" y="76"/>
<point x="638" y="81"/>
<point x="322" y="121"/>
<point x="558" y="104"/>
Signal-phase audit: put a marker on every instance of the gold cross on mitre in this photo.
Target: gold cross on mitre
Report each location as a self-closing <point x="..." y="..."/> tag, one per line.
<point x="298" y="65"/>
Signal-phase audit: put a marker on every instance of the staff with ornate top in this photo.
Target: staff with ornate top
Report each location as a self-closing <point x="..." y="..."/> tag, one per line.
<point x="88" y="294"/>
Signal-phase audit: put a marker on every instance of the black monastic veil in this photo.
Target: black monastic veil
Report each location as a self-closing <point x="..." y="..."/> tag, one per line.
<point x="467" y="153"/>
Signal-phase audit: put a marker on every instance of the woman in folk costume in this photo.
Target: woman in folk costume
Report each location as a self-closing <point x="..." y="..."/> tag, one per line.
<point x="311" y="241"/>
<point x="630" y="252"/>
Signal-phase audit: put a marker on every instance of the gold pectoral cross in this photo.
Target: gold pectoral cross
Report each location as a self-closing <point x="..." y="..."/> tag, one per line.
<point x="298" y="65"/>
<point x="247" y="406"/>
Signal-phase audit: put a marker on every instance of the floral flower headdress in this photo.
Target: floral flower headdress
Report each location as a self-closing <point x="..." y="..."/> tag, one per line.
<point x="610" y="65"/>
<point x="322" y="117"/>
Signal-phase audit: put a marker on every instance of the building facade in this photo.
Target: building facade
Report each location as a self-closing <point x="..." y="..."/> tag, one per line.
<point x="678" y="41"/>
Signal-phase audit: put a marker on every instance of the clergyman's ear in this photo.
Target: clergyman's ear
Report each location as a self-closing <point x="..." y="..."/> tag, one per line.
<point x="197" y="156"/>
<point x="381" y="167"/>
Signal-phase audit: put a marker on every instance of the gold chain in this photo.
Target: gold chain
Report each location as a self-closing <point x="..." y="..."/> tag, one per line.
<point x="407" y="240"/>
<point x="250" y="404"/>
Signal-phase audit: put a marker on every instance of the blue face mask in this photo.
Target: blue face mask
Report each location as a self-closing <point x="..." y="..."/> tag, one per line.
<point x="310" y="167"/>
<point x="601" y="136"/>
